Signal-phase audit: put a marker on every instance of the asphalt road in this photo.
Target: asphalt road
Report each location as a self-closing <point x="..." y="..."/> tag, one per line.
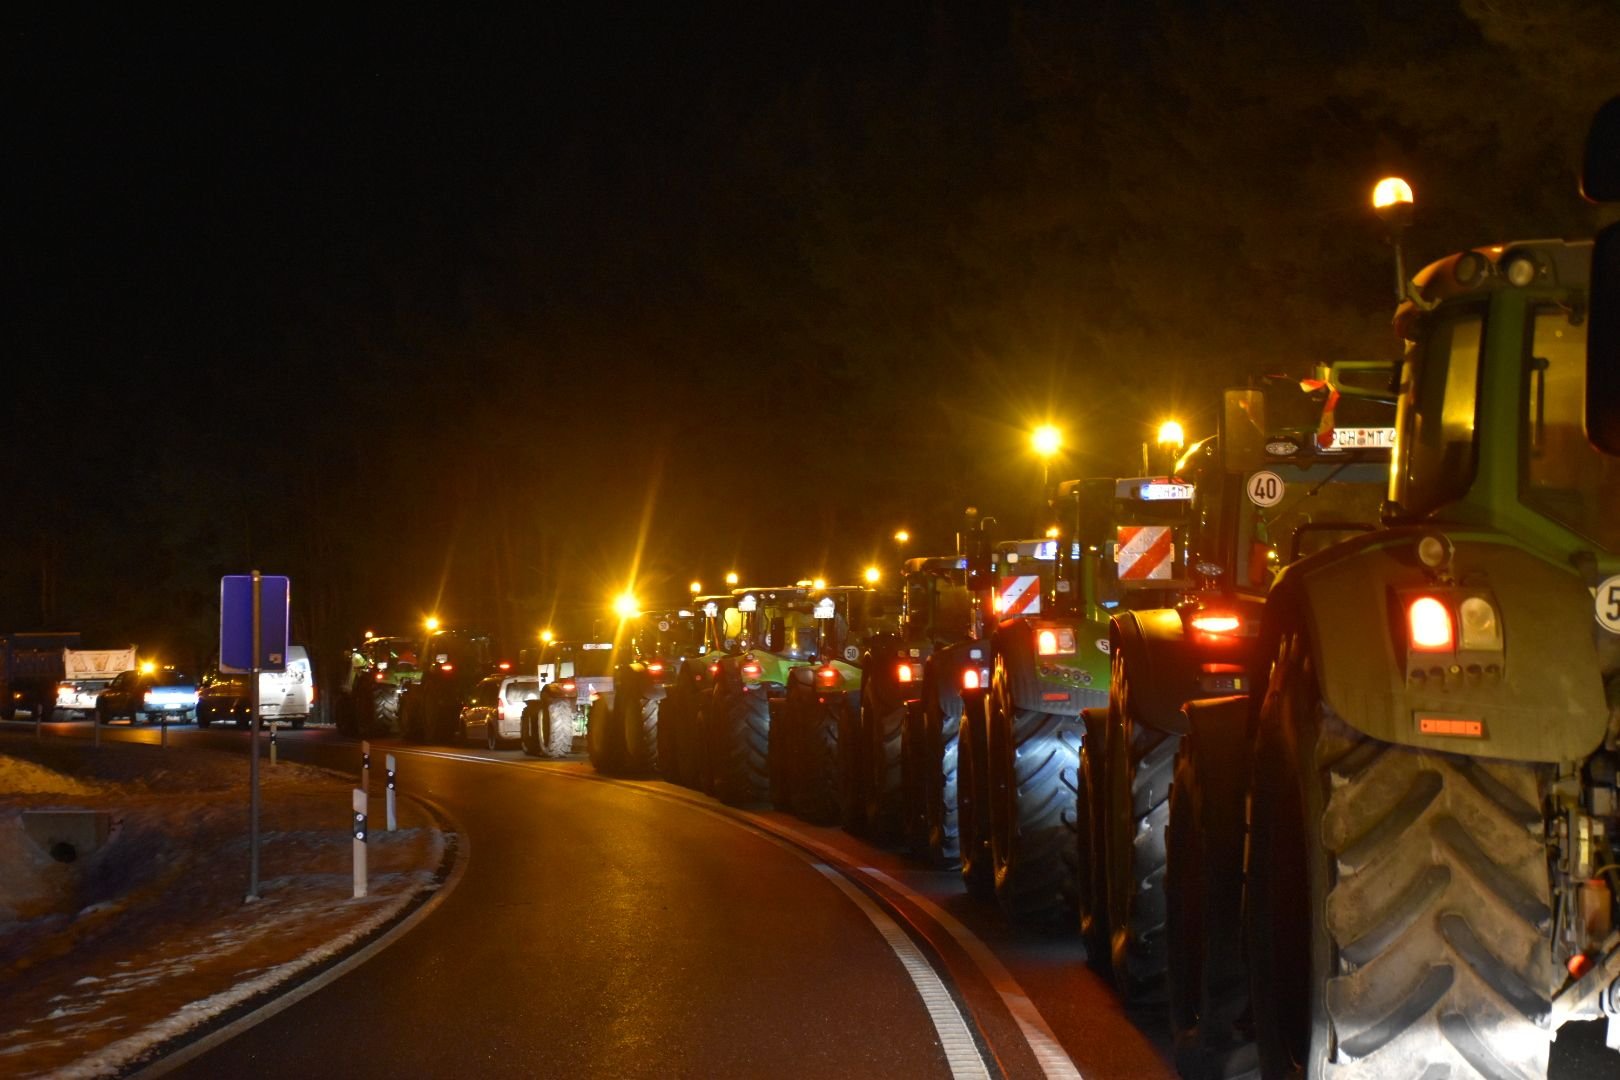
<point x="631" y="928"/>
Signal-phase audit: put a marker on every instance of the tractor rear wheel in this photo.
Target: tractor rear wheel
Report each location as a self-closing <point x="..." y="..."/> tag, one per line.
<point x="782" y="751"/>
<point x="1136" y="805"/>
<point x="668" y="748"/>
<point x="913" y="763"/>
<point x="815" y="783"/>
<point x="1412" y="930"/>
<point x="638" y="716"/>
<point x="382" y="718"/>
<point x="557" y="727"/>
<point x="880" y="723"/>
<point x="851" y="747"/>
<point x="942" y="722"/>
<point x="1206" y="980"/>
<point x="742" y="726"/>
<point x="1092" y="895"/>
<point x="604" y="739"/>
<point x="972" y="802"/>
<point x="529" y="729"/>
<point x="680" y="713"/>
<point x="1032" y="767"/>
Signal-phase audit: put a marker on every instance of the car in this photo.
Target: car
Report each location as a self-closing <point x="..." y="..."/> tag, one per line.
<point x="494" y="709"/>
<point x="152" y="695"/>
<point x="283" y="695"/>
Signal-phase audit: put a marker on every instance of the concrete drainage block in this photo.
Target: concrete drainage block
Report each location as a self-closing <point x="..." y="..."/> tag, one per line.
<point x="67" y="834"/>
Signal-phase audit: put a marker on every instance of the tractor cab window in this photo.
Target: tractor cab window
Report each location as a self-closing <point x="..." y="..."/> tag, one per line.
<point x="1562" y="475"/>
<point x="1315" y="506"/>
<point x="1436" y="450"/>
<point x="592" y="663"/>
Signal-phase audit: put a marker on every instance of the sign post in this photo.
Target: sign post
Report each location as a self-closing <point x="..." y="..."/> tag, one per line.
<point x="253" y="632"/>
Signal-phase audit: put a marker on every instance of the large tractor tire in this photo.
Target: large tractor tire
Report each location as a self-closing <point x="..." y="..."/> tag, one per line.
<point x="1141" y="761"/>
<point x="1033" y="770"/>
<point x="881" y="723"/>
<point x="529" y="729"/>
<point x="667" y="745"/>
<point x="1399" y="911"/>
<point x="604" y="739"/>
<point x="557" y="727"/>
<point x="1206" y="980"/>
<point x="973" y="803"/>
<point x="383" y="716"/>
<point x="816" y="773"/>
<point x="942" y="723"/>
<point x="637" y="708"/>
<point x="913" y="764"/>
<point x="741" y="723"/>
<point x="782" y="751"/>
<point x="1091" y="899"/>
<point x="679" y="714"/>
<point x="852" y="771"/>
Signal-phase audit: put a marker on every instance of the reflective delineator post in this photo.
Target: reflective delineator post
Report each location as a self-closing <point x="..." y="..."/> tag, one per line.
<point x="359" y="843"/>
<point x="365" y="766"/>
<point x="273" y="725"/>
<point x="389" y="761"/>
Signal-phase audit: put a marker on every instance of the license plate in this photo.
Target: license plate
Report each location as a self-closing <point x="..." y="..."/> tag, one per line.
<point x="1378" y="438"/>
<point x="1166" y="492"/>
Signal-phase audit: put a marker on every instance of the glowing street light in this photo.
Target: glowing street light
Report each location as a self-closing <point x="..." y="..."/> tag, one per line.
<point x="1392" y="202"/>
<point x="431" y="622"/>
<point x="695" y="588"/>
<point x="1051" y="532"/>
<point x="369" y="635"/>
<point x="1047" y="440"/>
<point x="545" y="637"/>
<point x="1390" y="193"/>
<point x="873" y="575"/>
<point x="818" y="584"/>
<point x="1171" y="435"/>
<point x="147" y="667"/>
<point x="902" y="537"/>
<point x="626" y="606"/>
<point x="731" y="578"/>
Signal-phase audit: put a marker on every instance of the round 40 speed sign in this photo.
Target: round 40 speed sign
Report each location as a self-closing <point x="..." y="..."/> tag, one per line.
<point x="1265" y="488"/>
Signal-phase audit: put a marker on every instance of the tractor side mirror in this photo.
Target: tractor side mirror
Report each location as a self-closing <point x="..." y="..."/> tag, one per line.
<point x="1600" y="182"/>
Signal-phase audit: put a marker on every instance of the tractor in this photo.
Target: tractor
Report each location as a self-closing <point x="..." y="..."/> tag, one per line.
<point x="451" y="662"/>
<point x="1275" y="483"/>
<point x="1398" y="852"/>
<point x="1119" y="545"/>
<point x="378" y="668"/>
<point x="656" y="644"/>
<point x="680" y="716"/>
<point x="574" y="676"/>
<point x="822" y="699"/>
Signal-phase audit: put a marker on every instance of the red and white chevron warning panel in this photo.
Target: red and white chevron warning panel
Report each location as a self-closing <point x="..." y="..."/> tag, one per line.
<point x="1019" y="596"/>
<point x="1145" y="552"/>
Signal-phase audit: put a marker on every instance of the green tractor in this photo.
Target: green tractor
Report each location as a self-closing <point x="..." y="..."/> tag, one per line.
<point x="1120" y="545"/>
<point x="452" y="663"/>
<point x="656" y="644"/>
<point x="681" y="755"/>
<point x="368" y="704"/>
<point x="822" y="698"/>
<point x="949" y="609"/>
<point x="1433" y="759"/>
<point x="777" y="631"/>
<point x="1272" y="486"/>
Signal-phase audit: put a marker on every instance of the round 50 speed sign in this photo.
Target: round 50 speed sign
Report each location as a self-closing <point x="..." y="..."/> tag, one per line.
<point x="1607" y="599"/>
<point x="1266" y="488"/>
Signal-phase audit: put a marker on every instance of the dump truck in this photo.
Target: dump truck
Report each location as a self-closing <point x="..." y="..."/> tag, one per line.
<point x="86" y="673"/>
<point x="1431" y="742"/>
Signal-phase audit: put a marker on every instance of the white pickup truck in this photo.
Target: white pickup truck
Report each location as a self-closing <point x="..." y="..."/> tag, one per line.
<point x="86" y="673"/>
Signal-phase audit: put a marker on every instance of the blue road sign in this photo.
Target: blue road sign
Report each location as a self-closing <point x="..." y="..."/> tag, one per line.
<point x="236" y="622"/>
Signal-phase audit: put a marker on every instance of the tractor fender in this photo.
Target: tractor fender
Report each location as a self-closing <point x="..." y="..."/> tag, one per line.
<point x="1039" y="686"/>
<point x="1548" y="703"/>
<point x="1161" y="664"/>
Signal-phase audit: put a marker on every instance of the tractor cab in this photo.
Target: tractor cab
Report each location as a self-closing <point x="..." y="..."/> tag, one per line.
<point x="1121" y="544"/>
<point x="660" y="641"/>
<point x="936" y="606"/>
<point x="1296" y="467"/>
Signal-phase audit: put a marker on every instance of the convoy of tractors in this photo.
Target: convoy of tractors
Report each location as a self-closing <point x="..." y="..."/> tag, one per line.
<point x="1313" y="734"/>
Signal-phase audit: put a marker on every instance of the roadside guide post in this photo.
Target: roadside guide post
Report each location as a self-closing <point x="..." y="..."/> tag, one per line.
<point x="253" y="631"/>
<point x="359" y="843"/>
<point x="273" y="725"/>
<point x="365" y="766"/>
<point x="389" y="761"/>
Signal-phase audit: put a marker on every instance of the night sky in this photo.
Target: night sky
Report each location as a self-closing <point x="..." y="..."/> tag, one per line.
<point x="474" y="319"/>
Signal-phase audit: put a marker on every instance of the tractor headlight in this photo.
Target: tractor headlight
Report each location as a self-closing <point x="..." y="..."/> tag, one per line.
<point x="1481" y="628"/>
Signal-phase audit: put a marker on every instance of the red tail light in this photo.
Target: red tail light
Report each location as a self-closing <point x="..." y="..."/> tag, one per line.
<point x="828" y="677"/>
<point x="905" y="673"/>
<point x="655" y="667"/>
<point x="970" y="678"/>
<point x="750" y="669"/>
<point x="505" y="665"/>
<point x="1215" y="622"/>
<point x="447" y="667"/>
<point x="380" y="677"/>
<point x="1429" y="623"/>
<point x="714" y="669"/>
<point x="567" y="686"/>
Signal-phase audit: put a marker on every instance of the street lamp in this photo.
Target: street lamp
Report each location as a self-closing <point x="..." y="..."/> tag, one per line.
<point x="626" y="606"/>
<point x="545" y="637"/>
<point x="1392" y="202"/>
<point x="731" y="578"/>
<point x="695" y="588"/>
<point x="1047" y="441"/>
<point x="819" y="584"/>
<point x="873" y="575"/>
<point x="902" y="537"/>
<point x="431" y="622"/>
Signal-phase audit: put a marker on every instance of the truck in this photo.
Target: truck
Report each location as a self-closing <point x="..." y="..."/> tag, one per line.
<point x="86" y="673"/>
<point x="1432" y="737"/>
<point x="31" y="670"/>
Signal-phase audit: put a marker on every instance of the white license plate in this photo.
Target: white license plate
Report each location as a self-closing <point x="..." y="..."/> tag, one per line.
<point x="1167" y="492"/>
<point x="1357" y="438"/>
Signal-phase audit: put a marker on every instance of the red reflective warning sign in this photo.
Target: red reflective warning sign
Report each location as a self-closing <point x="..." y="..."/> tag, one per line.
<point x="1144" y="552"/>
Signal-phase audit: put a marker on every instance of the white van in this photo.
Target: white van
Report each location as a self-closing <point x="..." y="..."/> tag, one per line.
<point x="286" y="696"/>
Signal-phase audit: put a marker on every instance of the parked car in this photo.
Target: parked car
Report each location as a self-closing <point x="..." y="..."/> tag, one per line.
<point x="283" y="695"/>
<point x="148" y="695"/>
<point x="494" y="709"/>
